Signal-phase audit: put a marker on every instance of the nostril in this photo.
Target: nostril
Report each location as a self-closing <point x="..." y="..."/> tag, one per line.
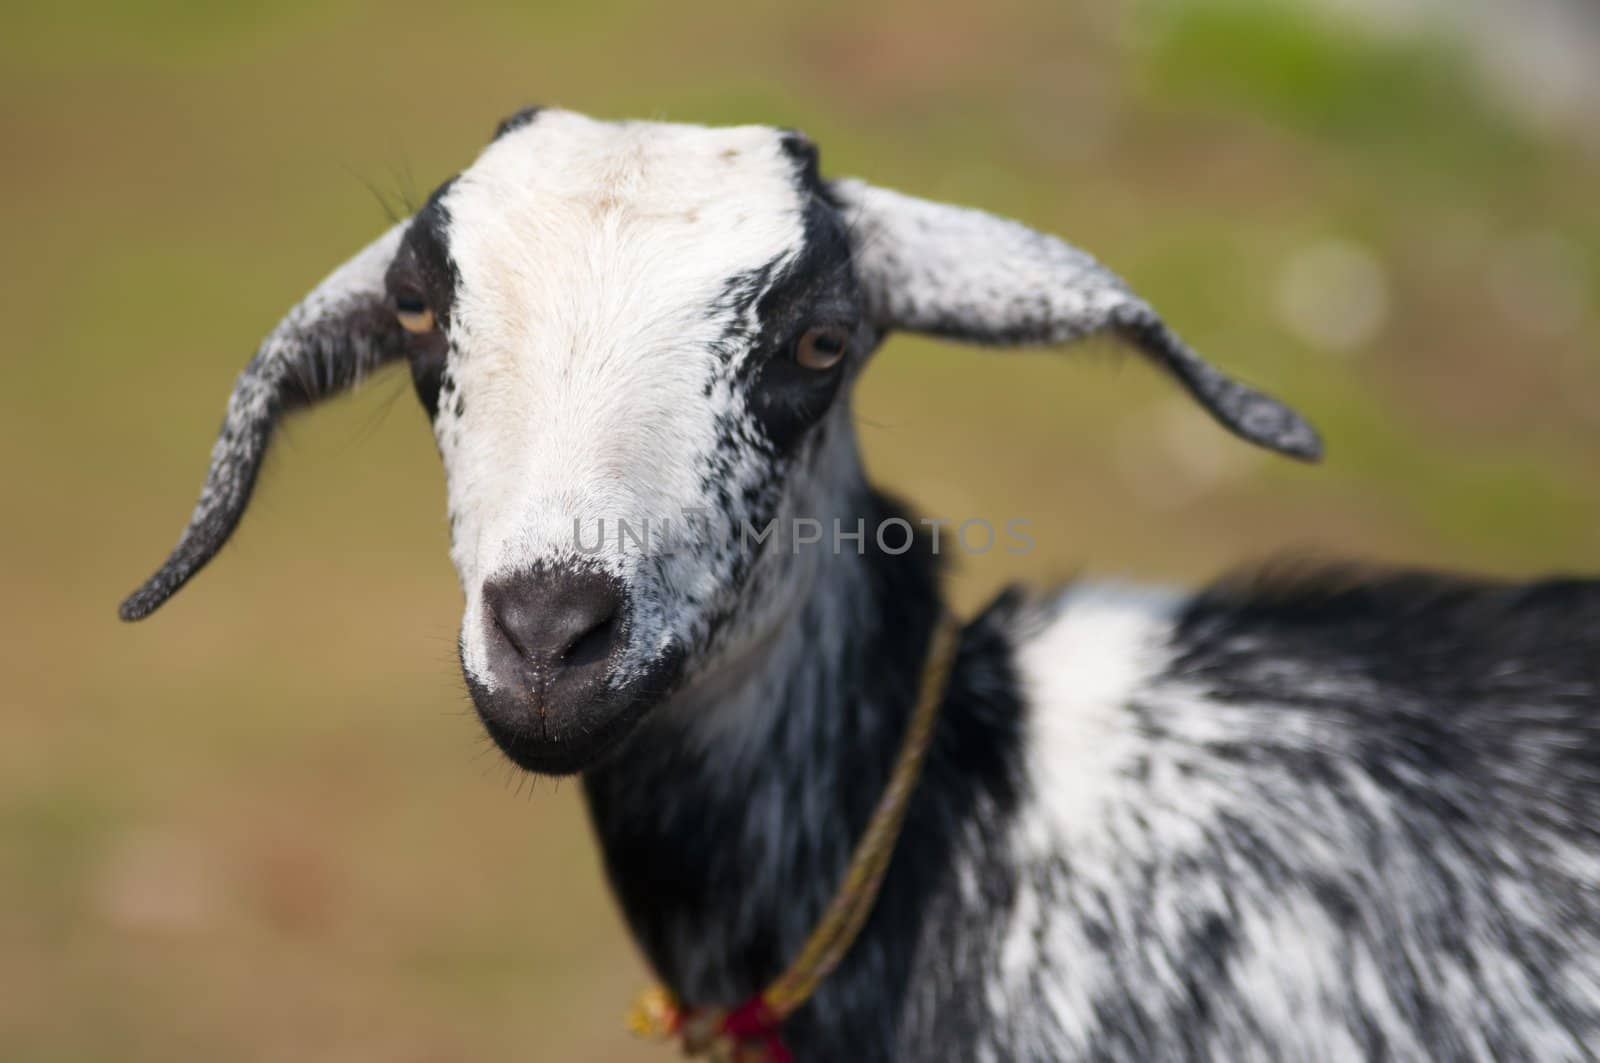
<point x="517" y="622"/>
<point x="593" y="645"/>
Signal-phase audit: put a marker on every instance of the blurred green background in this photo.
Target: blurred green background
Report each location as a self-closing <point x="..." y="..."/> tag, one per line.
<point x="265" y="826"/>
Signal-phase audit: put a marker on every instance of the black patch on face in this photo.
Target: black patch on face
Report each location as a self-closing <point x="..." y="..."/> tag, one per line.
<point x="423" y="272"/>
<point x="516" y="121"/>
<point x="817" y="287"/>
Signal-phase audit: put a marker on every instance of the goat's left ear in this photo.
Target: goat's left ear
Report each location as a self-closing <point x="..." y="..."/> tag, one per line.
<point x="336" y="333"/>
<point x="961" y="273"/>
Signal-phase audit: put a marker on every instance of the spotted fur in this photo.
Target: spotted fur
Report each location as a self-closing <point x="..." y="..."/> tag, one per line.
<point x="1320" y="816"/>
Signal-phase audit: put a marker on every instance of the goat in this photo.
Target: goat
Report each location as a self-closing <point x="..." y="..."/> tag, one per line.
<point x="1325" y="814"/>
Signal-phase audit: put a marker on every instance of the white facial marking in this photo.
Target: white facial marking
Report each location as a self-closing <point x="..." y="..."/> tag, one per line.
<point x="594" y="260"/>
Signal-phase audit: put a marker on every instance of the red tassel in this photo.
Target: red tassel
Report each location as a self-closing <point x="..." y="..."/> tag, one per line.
<point x="754" y="1021"/>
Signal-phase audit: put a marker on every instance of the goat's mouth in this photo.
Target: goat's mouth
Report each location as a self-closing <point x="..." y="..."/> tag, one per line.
<point x="551" y="730"/>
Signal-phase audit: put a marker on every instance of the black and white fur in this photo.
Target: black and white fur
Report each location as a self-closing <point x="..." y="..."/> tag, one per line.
<point x="1306" y="816"/>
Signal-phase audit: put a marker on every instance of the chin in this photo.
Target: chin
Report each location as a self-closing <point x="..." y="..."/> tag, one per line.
<point x="567" y="731"/>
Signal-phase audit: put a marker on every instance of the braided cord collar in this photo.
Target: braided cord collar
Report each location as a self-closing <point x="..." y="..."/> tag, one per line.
<point x="750" y="1033"/>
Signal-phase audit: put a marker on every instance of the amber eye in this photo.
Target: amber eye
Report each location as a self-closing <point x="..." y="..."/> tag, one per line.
<point x="413" y="314"/>
<point x="822" y="347"/>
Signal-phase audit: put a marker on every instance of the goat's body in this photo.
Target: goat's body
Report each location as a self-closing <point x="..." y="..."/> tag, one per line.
<point x="1323" y="819"/>
<point x="1315" y="819"/>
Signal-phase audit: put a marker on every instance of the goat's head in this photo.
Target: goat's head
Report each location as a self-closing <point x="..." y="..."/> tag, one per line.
<point x="638" y="323"/>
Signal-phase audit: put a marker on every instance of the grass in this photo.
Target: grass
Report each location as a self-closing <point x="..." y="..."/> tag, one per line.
<point x="264" y="825"/>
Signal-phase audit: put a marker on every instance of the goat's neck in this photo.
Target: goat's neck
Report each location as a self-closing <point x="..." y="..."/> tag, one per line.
<point x="725" y="837"/>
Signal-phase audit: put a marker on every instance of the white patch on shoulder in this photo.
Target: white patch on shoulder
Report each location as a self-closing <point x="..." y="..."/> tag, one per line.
<point x="1098" y="644"/>
<point x="1081" y="659"/>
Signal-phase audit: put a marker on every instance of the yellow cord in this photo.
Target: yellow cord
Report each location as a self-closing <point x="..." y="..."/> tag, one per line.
<point x="656" y="1014"/>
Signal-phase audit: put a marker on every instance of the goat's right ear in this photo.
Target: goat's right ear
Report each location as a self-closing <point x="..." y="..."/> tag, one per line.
<point x="338" y="332"/>
<point x="951" y="271"/>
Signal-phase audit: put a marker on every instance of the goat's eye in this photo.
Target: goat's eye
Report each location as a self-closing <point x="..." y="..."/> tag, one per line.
<point x="822" y="347"/>
<point x="413" y="313"/>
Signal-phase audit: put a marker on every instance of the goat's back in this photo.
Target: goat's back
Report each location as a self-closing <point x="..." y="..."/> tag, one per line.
<point x="1313" y="815"/>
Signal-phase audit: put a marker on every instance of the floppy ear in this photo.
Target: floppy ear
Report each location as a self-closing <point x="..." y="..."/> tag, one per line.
<point x="961" y="273"/>
<point x="339" y="331"/>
